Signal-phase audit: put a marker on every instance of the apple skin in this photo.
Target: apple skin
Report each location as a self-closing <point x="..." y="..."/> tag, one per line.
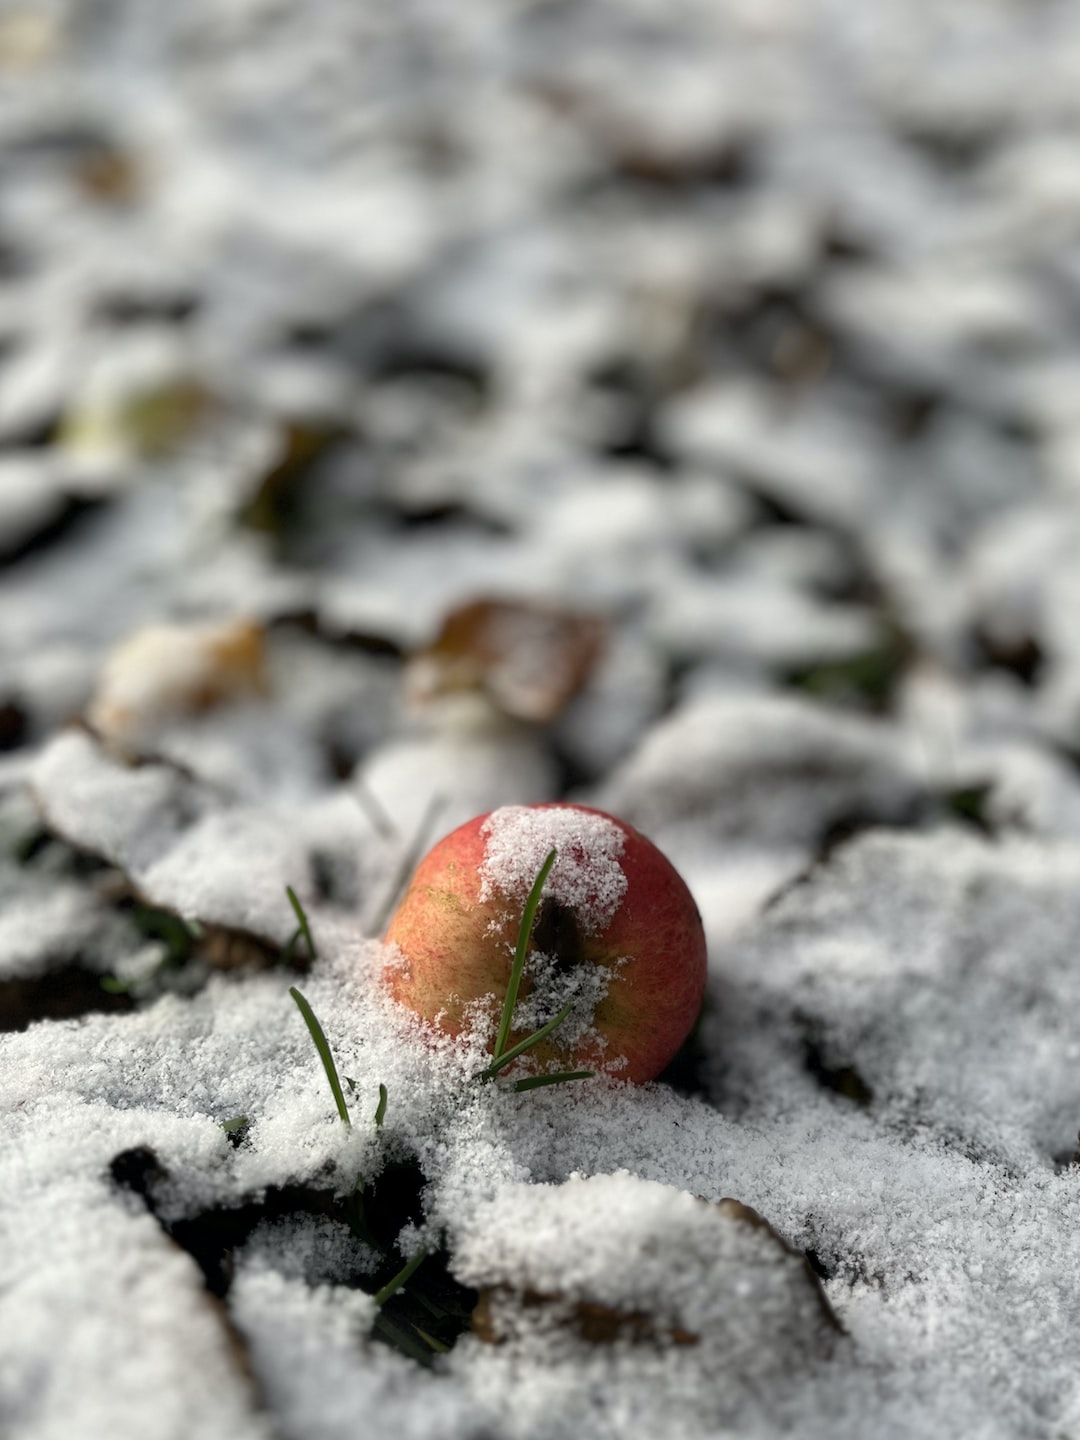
<point x="456" y="947"/>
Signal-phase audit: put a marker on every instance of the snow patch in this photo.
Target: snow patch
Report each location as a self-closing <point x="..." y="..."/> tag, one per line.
<point x="587" y="877"/>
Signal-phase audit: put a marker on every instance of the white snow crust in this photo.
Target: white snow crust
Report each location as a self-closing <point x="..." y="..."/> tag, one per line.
<point x="586" y="876"/>
<point x="935" y="1207"/>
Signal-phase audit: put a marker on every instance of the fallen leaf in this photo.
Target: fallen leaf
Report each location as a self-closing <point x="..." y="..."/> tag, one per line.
<point x="530" y="659"/>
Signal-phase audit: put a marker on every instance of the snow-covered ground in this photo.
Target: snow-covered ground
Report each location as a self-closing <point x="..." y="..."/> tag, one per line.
<point x="408" y="410"/>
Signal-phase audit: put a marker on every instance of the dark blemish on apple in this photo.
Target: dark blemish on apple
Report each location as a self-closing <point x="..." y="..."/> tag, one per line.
<point x="556" y="932"/>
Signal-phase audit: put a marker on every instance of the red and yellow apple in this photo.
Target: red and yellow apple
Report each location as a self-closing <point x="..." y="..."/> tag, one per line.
<point x="616" y="933"/>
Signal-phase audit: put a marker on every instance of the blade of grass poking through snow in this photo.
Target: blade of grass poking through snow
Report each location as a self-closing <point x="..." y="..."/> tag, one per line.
<point x="519" y="1049"/>
<point x="380" y="1113"/>
<point x="409" y="862"/>
<point x="324" y="1051"/>
<point x="305" y="929"/>
<point x="528" y="915"/>
<point x="404" y="1274"/>
<point x="534" y="1082"/>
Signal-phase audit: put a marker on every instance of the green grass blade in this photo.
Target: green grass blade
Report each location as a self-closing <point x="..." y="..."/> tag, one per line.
<point x="431" y="1306"/>
<point x="380" y="1113"/>
<point x="356" y="1218"/>
<point x="324" y="1051"/>
<point x="528" y="915"/>
<point x="436" y="1345"/>
<point x="113" y="985"/>
<point x="236" y="1123"/>
<point x="404" y="1274"/>
<point x="403" y="1339"/>
<point x="519" y="1049"/>
<point x="302" y="920"/>
<point x="534" y="1082"/>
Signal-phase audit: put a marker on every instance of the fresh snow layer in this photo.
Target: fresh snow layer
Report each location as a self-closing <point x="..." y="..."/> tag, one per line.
<point x="747" y="329"/>
<point x="586" y="877"/>
<point x="933" y="1206"/>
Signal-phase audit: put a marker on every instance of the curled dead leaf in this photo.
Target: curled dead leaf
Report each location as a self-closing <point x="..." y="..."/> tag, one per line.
<point x="597" y="1324"/>
<point x="144" y="423"/>
<point x="528" y="658"/>
<point x="108" y="175"/>
<point x="746" y="1215"/>
<point x="223" y="948"/>
<point x="672" y="1269"/>
<point x="163" y="672"/>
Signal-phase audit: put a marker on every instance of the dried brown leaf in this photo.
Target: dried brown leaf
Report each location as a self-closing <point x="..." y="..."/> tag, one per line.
<point x="528" y="658"/>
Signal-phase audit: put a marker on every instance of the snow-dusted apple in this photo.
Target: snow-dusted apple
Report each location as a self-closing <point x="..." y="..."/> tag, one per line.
<point x="617" y="934"/>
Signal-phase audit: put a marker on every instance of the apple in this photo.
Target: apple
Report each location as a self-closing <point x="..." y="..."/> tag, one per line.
<point x="617" y="934"/>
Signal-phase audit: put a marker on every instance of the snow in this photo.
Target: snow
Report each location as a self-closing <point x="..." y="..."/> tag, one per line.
<point x="586" y="877"/>
<point x="74" y="1248"/>
<point x="320" y="1391"/>
<point x="746" y="327"/>
<point x="466" y="760"/>
<point x="642" y="1248"/>
<point x="45" y="919"/>
<point x="127" y="816"/>
<point x="896" y="958"/>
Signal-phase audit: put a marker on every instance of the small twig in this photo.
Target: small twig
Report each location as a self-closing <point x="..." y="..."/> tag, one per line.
<point x="375" y="811"/>
<point x="409" y="861"/>
<point x="528" y="915"/>
<point x="324" y="1052"/>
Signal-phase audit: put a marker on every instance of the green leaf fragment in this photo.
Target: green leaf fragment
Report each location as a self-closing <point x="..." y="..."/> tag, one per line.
<point x="113" y="985"/>
<point x="528" y="915"/>
<point x="325" y="1054"/>
<point x="493" y="1069"/>
<point x="305" y="929"/>
<point x="404" y="1274"/>
<point x="436" y="1345"/>
<point x="403" y="1339"/>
